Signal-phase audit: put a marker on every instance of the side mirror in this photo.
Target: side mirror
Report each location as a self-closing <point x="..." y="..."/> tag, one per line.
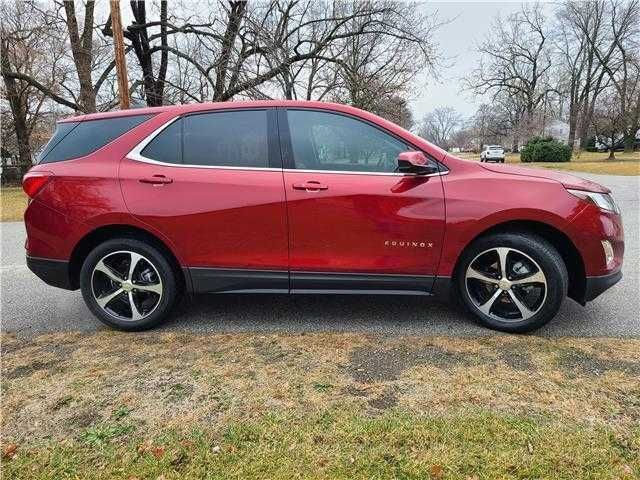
<point x="415" y="162"/>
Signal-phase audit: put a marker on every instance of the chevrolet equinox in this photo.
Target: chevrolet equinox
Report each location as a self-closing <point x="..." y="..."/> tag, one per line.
<point x="137" y="207"/>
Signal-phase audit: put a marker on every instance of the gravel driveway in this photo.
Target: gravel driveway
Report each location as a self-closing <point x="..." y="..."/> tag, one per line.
<point x="29" y="306"/>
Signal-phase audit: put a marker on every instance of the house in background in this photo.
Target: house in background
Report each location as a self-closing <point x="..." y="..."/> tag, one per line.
<point x="558" y="130"/>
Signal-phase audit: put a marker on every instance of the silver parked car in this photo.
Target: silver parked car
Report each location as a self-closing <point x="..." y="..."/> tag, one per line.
<point x="492" y="153"/>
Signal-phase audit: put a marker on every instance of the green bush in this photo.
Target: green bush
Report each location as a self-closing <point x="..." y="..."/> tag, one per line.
<point x="545" y="149"/>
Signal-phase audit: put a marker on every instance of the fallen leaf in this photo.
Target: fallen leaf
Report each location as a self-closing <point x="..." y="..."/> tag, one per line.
<point x="436" y="471"/>
<point x="9" y="450"/>
<point x="158" y="452"/>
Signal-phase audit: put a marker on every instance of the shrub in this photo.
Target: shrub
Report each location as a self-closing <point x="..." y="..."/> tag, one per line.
<point x="545" y="149"/>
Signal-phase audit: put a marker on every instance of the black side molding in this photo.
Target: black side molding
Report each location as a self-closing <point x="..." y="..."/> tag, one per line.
<point x="221" y="280"/>
<point x="53" y="272"/>
<point x="326" y="282"/>
<point x="597" y="285"/>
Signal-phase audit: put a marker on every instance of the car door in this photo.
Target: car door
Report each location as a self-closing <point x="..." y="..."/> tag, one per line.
<point x="211" y="183"/>
<point x="355" y="223"/>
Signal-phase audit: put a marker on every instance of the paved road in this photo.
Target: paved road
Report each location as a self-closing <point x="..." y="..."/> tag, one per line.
<point x="30" y="307"/>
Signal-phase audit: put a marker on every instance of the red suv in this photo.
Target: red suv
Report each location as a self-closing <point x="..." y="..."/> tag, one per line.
<point x="137" y="207"/>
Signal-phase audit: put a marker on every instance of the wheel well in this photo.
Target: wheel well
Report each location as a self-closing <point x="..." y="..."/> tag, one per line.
<point x="562" y="243"/>
<point x="102" y="234"/>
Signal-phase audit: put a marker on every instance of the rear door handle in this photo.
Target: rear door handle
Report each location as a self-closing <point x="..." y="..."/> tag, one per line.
<point x="310" y="186"/>
<point x="156" y="180"/>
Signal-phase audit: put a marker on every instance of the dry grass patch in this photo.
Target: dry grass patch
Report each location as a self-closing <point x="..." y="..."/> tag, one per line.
<point x="587" y="162"/>
<point x="320" y="405"/>
<point x="13" y="203"/>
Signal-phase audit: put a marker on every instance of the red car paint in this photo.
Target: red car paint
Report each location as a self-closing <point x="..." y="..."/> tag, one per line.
<point x="284" y="219"/>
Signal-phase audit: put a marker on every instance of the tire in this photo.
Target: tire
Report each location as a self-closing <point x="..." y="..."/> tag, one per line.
<point x="526" y="300"/>
<point x="152" y="288"/>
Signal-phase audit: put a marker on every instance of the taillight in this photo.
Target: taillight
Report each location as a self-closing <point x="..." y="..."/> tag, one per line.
<point x="33" y="182"/>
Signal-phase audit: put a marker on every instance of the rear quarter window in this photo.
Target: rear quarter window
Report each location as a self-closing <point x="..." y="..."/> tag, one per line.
<point x="77" y="139"/>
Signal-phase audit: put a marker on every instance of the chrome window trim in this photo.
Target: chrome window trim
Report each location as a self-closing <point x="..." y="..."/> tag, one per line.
<point x="136" y="155"/>
<point x="355" y="172"/>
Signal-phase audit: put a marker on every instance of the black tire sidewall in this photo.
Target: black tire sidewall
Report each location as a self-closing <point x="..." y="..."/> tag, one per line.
<point x="166" y="272"/>
<point x="545" y="255"/>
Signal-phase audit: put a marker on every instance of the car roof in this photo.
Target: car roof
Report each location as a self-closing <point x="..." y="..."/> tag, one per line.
<point x="195" y="107"/>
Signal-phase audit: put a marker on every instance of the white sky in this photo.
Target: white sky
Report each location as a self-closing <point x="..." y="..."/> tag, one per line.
<point x="458" y="39"/>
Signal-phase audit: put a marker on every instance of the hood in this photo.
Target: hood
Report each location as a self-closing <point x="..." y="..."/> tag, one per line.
<point x="569" y="181"/>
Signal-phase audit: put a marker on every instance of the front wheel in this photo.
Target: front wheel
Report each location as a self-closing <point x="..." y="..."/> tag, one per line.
<point x="128" y="284"/>
<point x="513" y="282"/>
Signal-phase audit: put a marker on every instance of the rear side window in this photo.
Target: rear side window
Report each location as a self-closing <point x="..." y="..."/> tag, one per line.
<point x="226" y="139"/>
<point x="166" y="146"/>
<point x="220" y="139"/>
<point x="77" y="139"/>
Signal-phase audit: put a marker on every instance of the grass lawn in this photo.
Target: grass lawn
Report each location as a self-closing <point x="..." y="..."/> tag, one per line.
<point x="186" y="406"/>
<point x="13" y="202"/>
<point x="588" y="162"/>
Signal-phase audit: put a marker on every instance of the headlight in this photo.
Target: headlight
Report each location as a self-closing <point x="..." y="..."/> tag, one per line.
<point x="601" y="200"/>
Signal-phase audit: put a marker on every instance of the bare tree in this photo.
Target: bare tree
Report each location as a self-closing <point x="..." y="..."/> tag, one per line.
<point x="75" y="87"/>
<point x="245" y="49"/>
<point x="582" y="76"/>
<point x="140" y="38"/>
<point x="515" y="63"/>
<point x="384" y="63"/>
<point x="610" y="33"/>
<point x="26" y="50"/>
<point x="440" y="125"/>
<point x="395" y="109"/>
<point x="608" y="120"/>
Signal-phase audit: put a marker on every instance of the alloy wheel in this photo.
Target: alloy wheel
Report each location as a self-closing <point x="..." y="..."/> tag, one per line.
<point x="126" y="285"/>
<point x="506" y="284"/>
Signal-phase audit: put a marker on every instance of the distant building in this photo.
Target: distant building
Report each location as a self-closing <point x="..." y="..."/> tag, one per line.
<point x="557" y="129"/>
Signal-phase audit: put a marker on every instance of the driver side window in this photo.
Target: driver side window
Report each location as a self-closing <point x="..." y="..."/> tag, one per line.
<point x="334" y="142"/>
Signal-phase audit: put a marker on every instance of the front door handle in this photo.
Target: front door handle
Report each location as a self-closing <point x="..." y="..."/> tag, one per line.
<point x="156" y="180"/>
<point x="310" y="186"/>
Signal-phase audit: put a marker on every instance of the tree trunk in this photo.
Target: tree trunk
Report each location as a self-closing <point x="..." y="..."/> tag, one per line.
<point x="234" y="20"/>
<point x="573" y="121"/>
<point x="612" y="148"/>
<point x="82" y="50"/>
<point x="18" y="107"/>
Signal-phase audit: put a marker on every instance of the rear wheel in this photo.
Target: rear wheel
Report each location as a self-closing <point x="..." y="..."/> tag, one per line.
<point x="128" y="284"/>
<point x="513" y="282"/>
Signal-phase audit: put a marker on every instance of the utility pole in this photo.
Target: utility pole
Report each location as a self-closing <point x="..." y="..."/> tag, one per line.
<point x="118" y="46"/>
